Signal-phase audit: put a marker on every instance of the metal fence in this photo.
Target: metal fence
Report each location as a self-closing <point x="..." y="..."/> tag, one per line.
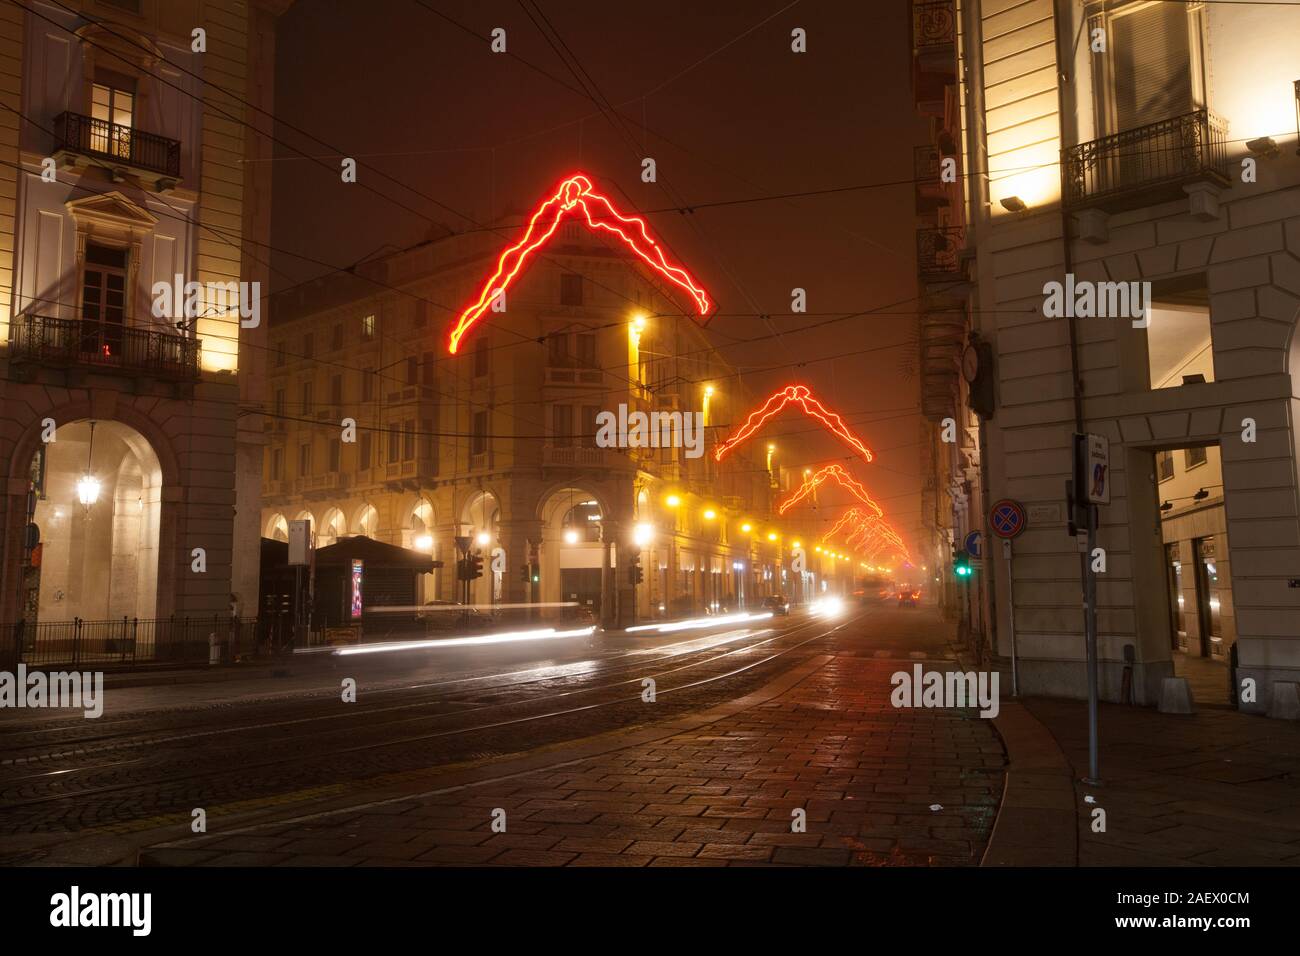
<point x="121" y="144"/>
<point x="127" y="641"/>
<point x="1138" y="161"/>
<point x="63" y="342"/>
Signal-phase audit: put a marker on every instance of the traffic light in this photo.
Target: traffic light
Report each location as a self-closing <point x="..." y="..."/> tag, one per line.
<point x="961" y="564"/>
<point x="526" y="573"/>
<point x="475" y="567"/>
<point x="634" y="572"/>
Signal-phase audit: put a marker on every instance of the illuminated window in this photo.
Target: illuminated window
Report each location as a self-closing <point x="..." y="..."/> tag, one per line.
<point x="1179" y="339"/>
<point x="112" y="105"/>
<point x="368" y="327"/>
<point x="1193" y="457"/>
<point x="103" y="292"/>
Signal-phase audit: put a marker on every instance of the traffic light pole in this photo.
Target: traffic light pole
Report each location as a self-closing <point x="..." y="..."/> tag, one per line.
<point x="1090" y="637"/>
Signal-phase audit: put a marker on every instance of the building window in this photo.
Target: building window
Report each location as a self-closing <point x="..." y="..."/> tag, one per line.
<point x="570" y="289"/>
<point x="363" y="451"/>
<point x="430" y="446"/>
<point x="562" y="425"/>
<point x="1154" y="65"/>
<point x="557" y="350"/>
<point x="1192" y="457"/>
<point x="589" y="413"/>
<point x="478" y="440"/>
<point x="336" y="390"/>
<point x="306" y="397"/>
<point x="277" y="464"/>
<point x="336" y="337"/>
<point x="412" y="370"/>
<point x="367" y="384"/>
<point x="1180" y="347"/>
<point x="587" y="349"/>
<point x="304" y="461"/>
<point x="1164" y="465"/>
<point x="279" y="401"/>
<point x="103" y="286"/>
<point x="336" y="453"/>
<point x="112" y="101"/>
<point x="408" y="443"/>
<point x="368" y="327"/>
<point x="394" y="445"/>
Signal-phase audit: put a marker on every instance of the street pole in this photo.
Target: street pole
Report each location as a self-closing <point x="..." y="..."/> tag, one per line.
<point x="1090" y="628"/>
<point x="1011" y="612"/>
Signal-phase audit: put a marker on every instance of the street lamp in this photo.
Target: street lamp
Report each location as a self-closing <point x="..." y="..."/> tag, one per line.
<point x="484" y="539"/>
<point x="642" y="535"/>
<point x="672" y="501"/>
<point x="88" y="484"/>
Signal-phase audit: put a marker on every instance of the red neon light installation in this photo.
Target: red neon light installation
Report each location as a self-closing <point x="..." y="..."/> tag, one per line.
<point x="840" y="475"/>
<point x="793" y="393"/>
<point x="870" y="534"/>
<point x="575" y="192"/>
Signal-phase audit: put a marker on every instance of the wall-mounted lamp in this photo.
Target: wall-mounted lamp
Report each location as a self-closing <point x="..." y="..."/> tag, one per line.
<point x="1166" y="506"/>
<point x="1201" y="495"/>
<point x="1265" y="146"/>
<point x="1014" y="204"/>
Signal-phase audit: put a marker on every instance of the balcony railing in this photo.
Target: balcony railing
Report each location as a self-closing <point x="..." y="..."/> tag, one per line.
<point x="1149" y="164"/>
<point x="934" y="24"/>
<point x="46" y="340"/>
<point x="123" y="145"/>
<point x="938" y="252"/>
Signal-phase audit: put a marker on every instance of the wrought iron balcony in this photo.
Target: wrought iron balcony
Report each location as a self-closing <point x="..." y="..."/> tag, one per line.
<point x="938" y="252"/>
<point x="1149" y="164"/>
<point x="934" y="25"/>
<point x="79" y="343"/>
<point x="118" y="145"/>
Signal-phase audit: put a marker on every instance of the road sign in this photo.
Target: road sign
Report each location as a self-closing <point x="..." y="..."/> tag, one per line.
<point x="974" y="544"/>
<point x="1007" y="518"/>
<point x="1097" y="477"/>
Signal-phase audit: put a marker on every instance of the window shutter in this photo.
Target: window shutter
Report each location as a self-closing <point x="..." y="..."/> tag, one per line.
<point x="1153" y="75"/>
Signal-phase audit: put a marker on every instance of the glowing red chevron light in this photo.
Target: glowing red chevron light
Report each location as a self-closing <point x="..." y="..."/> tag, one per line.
<point x="842" y="477"/>
<point x="803" y="396"/>
<point x="574" y="193"/>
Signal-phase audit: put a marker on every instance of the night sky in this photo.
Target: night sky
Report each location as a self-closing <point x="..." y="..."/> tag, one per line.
<point x="714" y="93"/>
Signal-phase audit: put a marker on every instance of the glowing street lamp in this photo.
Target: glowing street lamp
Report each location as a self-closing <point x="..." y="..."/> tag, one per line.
<point x="484" y="539"/>
<point x="771" y="536"/>
<point x="642" y="535"/>
<point x="746" y="527"/>
<point x="424" y="542"/>
<point x="709" y="514"/>
<point x="672" y="501"/>
<point x="88" y="484"/>
<point x="570" y="536"/>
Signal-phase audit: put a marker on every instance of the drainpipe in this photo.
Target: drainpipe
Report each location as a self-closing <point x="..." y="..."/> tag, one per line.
<point x="1065" y="56"/>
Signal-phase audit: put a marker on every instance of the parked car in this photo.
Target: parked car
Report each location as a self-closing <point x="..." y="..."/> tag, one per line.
<point x="777" y="604"/>
<point x="909" y="597"/>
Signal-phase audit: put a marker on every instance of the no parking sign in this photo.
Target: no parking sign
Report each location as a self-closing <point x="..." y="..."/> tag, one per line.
<point x="1007" y="518"/>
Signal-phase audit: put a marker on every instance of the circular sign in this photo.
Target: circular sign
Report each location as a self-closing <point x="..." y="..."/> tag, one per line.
<point x="1007" y="518"/>
<point x="973" y="544"/>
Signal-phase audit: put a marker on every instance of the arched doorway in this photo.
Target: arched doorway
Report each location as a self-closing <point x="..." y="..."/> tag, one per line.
<point x="366" y="522"/>
<point x="333" y="526"/>
<point x="572" y="562"/>
<point x="97" y="514"/>
<point x="277" y="527"/>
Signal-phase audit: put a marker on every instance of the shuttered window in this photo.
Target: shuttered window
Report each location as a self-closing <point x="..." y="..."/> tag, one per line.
<point x="1153" y="65"/>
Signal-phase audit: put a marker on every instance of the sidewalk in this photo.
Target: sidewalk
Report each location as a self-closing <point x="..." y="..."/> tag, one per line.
<point x="1215" y="788"/>
<point x="879" y="786"/>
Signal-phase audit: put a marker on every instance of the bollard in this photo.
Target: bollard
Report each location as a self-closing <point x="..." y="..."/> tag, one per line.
<point x="1176" y="696"/>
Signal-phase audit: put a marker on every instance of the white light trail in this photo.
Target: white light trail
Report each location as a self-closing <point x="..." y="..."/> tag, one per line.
<point x="505" y="637"/>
